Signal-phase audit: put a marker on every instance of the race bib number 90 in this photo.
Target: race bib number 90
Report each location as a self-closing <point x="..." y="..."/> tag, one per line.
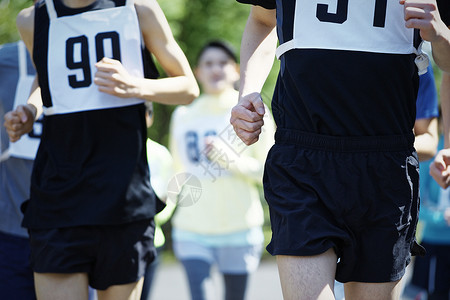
<point x="83" y="63"/>
<point x="77" y="43"/>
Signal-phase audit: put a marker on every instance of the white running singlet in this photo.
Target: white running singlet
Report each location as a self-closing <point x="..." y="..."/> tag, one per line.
<point x="28" y="144"/>
<point x="358" y="25"/>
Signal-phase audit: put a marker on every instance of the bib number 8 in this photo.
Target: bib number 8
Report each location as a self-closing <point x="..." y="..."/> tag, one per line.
<point x="341" y="14"/>
<point x="84" y="63"/>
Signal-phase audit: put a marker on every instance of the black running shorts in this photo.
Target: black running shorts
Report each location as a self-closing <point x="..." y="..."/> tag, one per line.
<point x="110" y="255"/>
<point x="358" y="196"/>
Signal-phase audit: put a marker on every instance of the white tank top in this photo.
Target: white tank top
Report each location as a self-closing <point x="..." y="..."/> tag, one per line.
<point x="28" y="144"/>
<point x="77" y="42"/>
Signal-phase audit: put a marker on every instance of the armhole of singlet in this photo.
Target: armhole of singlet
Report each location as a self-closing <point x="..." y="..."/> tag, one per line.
<point x="51" y="9"/>
<point x="22" y="55"/>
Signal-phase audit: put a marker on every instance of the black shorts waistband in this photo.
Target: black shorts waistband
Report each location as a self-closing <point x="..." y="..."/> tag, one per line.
<point x="345" y="144"/>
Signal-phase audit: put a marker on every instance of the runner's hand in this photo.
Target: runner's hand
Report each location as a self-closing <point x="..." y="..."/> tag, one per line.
<point x="424" y="15"/>
<point x="440" y="168"/>
<point x="19" y="121"/>
<point x="112" y="78"/>
<point x="247" y="118"/>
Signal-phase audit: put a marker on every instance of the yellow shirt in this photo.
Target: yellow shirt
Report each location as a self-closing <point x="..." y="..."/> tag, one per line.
<point x="229" y="173"/>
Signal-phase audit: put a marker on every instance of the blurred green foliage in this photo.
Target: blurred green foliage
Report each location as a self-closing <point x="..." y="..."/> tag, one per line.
<point x="8" y="12"/>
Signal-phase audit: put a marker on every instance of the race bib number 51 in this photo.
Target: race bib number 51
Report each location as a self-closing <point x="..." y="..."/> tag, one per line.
<point x="358" y="25"/>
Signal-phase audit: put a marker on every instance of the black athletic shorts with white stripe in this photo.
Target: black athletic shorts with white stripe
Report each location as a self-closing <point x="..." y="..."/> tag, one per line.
<point x="357" y="195"/>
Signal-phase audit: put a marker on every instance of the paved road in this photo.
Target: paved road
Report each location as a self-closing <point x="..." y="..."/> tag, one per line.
<point x="170" y="283"/>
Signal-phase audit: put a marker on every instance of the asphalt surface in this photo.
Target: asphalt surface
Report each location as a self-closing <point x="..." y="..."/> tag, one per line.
<point x="170" y="283"/>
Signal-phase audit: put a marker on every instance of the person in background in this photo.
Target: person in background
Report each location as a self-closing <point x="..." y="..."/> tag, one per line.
<point x="91" y="208"/>
<point x="221" y="225"/>
<point x="427" y="113"/>
<point x="16" y="162"/>
<point x="160" y="163"/>
<point x="431" y="273"/>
